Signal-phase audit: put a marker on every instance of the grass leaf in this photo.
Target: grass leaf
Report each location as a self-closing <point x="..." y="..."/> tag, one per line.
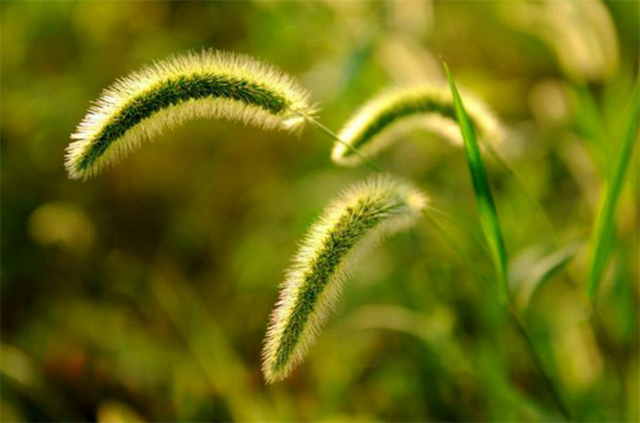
<point x="605" y="226"/>
<point x="529" y="274"/>
<point x="486" y="207"/>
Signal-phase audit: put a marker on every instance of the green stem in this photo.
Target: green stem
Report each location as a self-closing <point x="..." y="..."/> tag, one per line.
<point x="479" y="242"/>
<point x="606" y="344"/>
<point x="537" y="359"/>
<point x="522" y="330"/>
<point x="334" y="136"/>
<point x="456" y="247"/>
<point x="536" y="204"/>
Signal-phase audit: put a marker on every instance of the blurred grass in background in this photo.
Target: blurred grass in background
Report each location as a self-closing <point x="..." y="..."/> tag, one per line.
<point x="144" y="294"/>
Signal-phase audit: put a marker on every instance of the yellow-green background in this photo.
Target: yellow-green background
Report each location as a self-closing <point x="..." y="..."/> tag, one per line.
<point x="144" y="293"/>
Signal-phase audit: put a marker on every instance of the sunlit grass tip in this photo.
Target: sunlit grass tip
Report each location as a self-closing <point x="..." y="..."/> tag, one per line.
<point x="209" y="84"/>
<point x="359" y="218"/>
<point x="397" y="111"/>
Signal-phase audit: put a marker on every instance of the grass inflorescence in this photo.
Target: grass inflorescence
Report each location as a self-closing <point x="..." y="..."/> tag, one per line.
<point x="209" y="84"/>
<point x="394" y="112"/>
<point x="356" y="220"/>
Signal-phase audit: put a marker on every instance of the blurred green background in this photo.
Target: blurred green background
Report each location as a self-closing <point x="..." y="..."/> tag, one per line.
<point x="144" y="293"/>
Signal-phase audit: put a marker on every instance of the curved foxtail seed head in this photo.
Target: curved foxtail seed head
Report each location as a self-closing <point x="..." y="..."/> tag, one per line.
<point x="395" y="112"/>
<point x="210" y="84"/>
<point x="356" y="220"/>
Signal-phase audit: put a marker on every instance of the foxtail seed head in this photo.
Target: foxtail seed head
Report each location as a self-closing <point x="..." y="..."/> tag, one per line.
<point x="356" y="220"/>
<point x="395" y="112"/>
<point x="211" y="84"/>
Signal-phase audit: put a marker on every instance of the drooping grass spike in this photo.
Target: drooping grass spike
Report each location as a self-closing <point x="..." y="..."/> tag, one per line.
<point x="210" y="84"/>
<point x="397" y="111"/>
<point x="356" y="220"/>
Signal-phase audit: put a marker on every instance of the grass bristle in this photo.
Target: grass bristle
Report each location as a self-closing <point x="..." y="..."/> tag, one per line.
<point x="351" y="224"/>
<point x="210" y="84"/>
<point x="395" y="112"/>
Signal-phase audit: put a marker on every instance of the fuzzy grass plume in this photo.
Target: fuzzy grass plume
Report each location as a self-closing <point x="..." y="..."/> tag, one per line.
<point x="356" y="220"/>
<point x="397" y="111"/>
<point x="210" y="84"/>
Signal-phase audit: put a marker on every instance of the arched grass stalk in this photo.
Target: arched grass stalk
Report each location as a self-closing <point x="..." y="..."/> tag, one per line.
<point x="355" y="221"/>
<point x="395" y="112"/>
<point x="370" y="162"/>
<point x="210" y="84"/>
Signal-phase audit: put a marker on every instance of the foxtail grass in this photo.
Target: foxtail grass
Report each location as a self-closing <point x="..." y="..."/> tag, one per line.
<point x="349" y="226"/>
<point x="210" y="84"/>
<point x="395" y="112"/>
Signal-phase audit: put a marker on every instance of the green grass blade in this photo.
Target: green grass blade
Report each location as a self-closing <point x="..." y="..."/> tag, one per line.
<point x="605" y="225"/>
<point x="531" y="275"/>
<point x="588" y="120"/>
<point x="486" y="207"/>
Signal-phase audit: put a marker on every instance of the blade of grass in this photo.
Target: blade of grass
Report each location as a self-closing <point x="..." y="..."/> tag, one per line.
<point x="589" y="123"/>
<point x="493" y="234"/>
<point x="517" y="321"/>
<point x="605" y="219"/>
<point x="486" y="207"/>
<point x="534" y="276"/>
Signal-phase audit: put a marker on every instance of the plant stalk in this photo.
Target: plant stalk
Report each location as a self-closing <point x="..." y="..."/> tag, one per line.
<point x="335" y="137"/>
<point x="535" y="357"/>
<point x="522" y="330"/>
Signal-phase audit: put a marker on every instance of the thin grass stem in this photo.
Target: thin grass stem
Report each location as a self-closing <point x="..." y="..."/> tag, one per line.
<point x="456" y="247"/>
<point x="375" y="166"/>
<point x="558" y="398"/>
<point x="603" y="338"/>
<point x="465" y="228"/>
<point x="522" y="330"/>
<point x="535" y="203"/>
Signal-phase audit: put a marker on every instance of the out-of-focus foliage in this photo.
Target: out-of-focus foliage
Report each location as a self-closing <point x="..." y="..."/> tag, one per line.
<point x="144" y="294"/>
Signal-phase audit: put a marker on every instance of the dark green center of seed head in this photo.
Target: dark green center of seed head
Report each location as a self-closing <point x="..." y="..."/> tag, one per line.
<point x="175" y="91"/>
<point x="401" y="110"/>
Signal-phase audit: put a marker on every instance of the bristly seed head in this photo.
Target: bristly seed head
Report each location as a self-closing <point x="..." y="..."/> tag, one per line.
<point x="356" y="220"/>
<point x="395" y="112"/>
<point x="211" y="84"/>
